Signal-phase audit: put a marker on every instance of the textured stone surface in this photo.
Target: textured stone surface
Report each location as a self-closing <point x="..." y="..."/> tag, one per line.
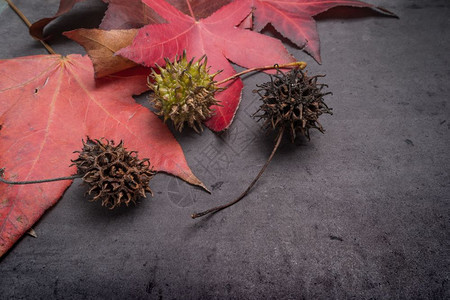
<point x="360" y="212"/>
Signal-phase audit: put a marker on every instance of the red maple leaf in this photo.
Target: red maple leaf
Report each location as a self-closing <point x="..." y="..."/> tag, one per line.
<point x="48" y="104"/>
<point x="293" y="18"/>
<point x="218" y="37"/>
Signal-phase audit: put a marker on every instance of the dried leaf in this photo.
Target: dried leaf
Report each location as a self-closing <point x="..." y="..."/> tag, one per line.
<point x="101" y="45"/>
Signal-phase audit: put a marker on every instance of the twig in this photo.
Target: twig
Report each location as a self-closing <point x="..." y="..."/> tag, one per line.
<point x="297" y="64"/>
<point x="26" y="21"/>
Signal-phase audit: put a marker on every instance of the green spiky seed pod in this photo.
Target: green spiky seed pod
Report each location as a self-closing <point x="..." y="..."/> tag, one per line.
<point x="293" y="101"/>
<point x="184" y="92"/>
<point x="115" y="176"/>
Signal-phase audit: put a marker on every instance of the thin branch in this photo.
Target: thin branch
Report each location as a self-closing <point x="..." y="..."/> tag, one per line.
<point x="36" y="181"/>
<point x="26" y="21"/>
<point x="218" y="208"/>
<point x="296" y="64"/>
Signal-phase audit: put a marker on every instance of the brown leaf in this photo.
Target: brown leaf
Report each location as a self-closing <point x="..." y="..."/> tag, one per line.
<point x="101" y="45"/>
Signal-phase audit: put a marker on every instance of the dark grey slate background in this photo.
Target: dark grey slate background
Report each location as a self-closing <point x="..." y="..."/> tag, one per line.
<point x="358" y="213"/>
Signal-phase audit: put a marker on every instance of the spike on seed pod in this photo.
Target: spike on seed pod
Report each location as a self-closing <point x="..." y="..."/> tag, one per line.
<point x="184" y="92"/>
<point x="115" y="176"/>
<point x="293" y="101"/>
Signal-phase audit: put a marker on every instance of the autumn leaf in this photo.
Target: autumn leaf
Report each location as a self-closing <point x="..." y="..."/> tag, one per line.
<point x="293" y="18"/>
<point x="218" y="37"/>
<point x="48" y="104"/>
<point x="101" y="45"/>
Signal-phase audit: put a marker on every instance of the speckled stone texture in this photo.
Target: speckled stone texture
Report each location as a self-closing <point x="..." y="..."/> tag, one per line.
<point x="361" y="212"/>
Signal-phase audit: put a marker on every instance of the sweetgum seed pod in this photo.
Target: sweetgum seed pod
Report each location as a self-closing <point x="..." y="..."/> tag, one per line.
<point x="184" y="92"/>
<point x="115" y="176"/>
<point x="293" y="101"/>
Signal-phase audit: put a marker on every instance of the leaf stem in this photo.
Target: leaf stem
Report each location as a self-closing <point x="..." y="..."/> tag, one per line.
<point x="26" y="21"/>
<point x="190" y="9"/>
<point x="36" y="181"/>
<point x="218" y="208"/>
<point x="296" y="64"/>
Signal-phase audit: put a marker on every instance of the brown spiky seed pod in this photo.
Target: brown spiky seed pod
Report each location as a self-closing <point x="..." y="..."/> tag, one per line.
<point x="115" y="175"/>
<point x="293" y="101"/>
<point x="184" y="92"/>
